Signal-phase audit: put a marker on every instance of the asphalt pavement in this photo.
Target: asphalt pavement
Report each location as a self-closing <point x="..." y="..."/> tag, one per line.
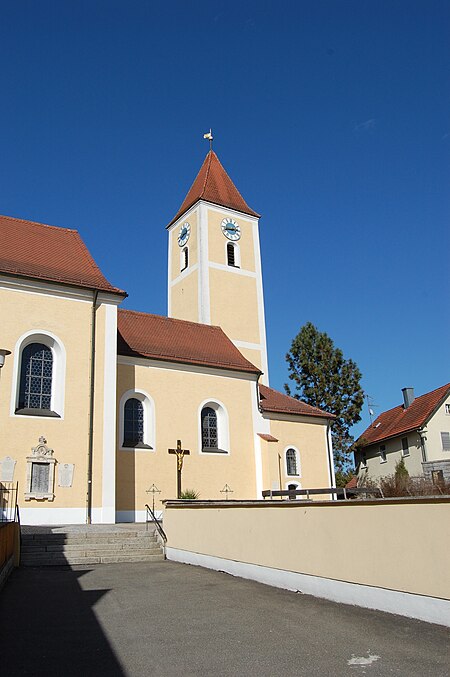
<point x="173" y="620"/>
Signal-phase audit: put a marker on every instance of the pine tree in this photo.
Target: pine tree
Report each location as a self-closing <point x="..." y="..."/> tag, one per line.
<point x="324" y="379"/>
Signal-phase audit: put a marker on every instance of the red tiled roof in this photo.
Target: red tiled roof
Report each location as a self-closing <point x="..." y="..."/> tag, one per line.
<point x="273" y="401"/>
<point x="400" y="420"/>
<point x="352" y="484"/>
<point x="49" y="253"/>
<point x="165" y="338"/>
<point x="266" y="437"/>
<point x="214" y="185"/>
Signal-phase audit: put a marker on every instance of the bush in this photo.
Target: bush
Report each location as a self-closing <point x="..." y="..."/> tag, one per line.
<point x="190" y="494"/>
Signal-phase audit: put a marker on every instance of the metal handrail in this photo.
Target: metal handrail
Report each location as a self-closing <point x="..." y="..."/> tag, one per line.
<point x="339" y="491"/>
<point x="154" y="519"/>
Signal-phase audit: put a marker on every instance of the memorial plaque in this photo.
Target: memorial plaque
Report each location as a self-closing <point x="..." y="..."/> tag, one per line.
<point x="7" y="469"/>
<point x="65" y="474"/>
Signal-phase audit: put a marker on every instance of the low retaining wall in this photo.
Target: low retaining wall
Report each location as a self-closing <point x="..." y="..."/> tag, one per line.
<point x="9" y="549"/>
<point x="390" y="555"/>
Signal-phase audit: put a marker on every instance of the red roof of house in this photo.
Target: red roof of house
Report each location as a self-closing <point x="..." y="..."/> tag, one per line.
<point x="273" y="401"/>
<point x="352" y="484"/>
<point x="399" y="420"/>
<point x="49" y="253"/>
<point x="214" y="185"/>
<point x="171" y="340"/>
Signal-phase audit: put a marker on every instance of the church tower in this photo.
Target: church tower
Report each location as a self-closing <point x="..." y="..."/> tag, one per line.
<point x="214" y="273"/>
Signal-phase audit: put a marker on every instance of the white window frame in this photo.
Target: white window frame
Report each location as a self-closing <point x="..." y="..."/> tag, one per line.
<point x="58" y="372"/>
<point x="405" y="452"/>
<point x="149" y="419"/>
<point x="382" y="452"/>
<point x="443" y="432"/>
<point x="297" y="458"/>
<point x="237" y="254"/>
<point x="223" y="432"/>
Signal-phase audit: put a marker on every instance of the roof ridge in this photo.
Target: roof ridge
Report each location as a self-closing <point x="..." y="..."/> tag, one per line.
<point x="416" y="398"/>
<point x="38" y="223"/>
<point x="171" y="319"/>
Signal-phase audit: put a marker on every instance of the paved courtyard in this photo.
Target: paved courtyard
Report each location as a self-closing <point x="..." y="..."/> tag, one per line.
<point x="173" y="620"/>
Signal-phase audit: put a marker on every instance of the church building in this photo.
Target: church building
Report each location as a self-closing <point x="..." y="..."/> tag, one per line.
<point x="93" y="396"/>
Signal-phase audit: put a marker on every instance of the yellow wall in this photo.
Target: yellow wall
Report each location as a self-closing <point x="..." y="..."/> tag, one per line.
<point x="184" y="302"/>
<point x="308" y="436"/>
<point x="234" y="305"/>
<point x="192" y="243"/>
<point x="70" y="321"/>
<point x="177" y="396"/>
<point x="314" y="539"/>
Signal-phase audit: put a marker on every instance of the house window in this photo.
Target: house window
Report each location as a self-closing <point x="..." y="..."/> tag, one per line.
<point x="137" y="420"/>
<point x="293" y="486"/>
<point x="292" y="464"/>
<point x="184" y="255"/>
<point x="210" y="439"/>
<point x="133" y="426"/>
<point x="383" y="458"/>
<point x="447" y="409"/>
<point x="445" y="438"/>
<point x="405" y="446"/>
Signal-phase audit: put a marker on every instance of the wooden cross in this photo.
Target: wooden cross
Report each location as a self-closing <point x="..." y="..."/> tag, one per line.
<point x="180" y="453"/>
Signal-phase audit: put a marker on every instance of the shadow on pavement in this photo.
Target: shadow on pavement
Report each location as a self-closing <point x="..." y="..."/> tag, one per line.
<point x="49" y="626"/>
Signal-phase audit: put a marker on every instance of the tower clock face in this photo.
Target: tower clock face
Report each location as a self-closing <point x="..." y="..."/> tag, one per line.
<point x="183" y="235"/>
<point x="231" y="229"/>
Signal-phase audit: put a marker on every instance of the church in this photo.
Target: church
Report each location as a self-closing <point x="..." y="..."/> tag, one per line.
<point x="93" y="396"/>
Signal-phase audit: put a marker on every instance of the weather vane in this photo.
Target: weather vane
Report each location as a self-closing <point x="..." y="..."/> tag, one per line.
<point x="210" y="137"/>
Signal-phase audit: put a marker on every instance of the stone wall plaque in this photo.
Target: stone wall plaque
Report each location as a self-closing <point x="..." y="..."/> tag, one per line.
<point x="65" y="474"/>
<point x="7" y="469"/>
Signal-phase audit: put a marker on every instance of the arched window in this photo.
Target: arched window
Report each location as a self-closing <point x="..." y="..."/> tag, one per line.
<point x="136" y="420"/>
<point x="39" y="373"/>
<point x="133" y="423"/>
<point x="184" y="258"/>
<point x="36" y="374"/>
<point x="210" y="438"/>
<point x="291" y="462"/>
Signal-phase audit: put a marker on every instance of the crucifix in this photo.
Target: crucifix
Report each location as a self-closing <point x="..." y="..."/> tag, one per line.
<point x="180" y="453"/>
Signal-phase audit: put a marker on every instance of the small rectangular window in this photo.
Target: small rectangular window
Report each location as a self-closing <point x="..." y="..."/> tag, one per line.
<point x="231" y="259"/>
<point x="445" y="438"/>
<point x="447" y="409"/>
<point x="405" y="447"/>
<point x="383" y="458"/>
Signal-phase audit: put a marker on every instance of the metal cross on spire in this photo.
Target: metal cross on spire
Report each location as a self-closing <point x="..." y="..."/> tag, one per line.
<point x="210" y="137"/>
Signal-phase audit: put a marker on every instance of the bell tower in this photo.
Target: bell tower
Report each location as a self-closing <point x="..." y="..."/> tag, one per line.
<point x="214" y="273"/>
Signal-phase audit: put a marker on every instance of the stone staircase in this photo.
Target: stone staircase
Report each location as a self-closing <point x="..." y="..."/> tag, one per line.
<point x="94" y="544"/>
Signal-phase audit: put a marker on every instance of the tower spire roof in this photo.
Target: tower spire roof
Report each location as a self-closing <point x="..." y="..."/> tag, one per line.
<point x="213" y="184"/>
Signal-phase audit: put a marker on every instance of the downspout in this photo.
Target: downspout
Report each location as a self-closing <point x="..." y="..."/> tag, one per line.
<point x="422" y="437"/>
<point x="91" y="411"/>
<point x="330" y="459"/>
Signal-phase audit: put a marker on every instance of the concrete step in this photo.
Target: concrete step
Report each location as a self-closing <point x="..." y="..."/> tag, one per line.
<point x="89" y="552"/>
<point x="38" y="539"/>
<point x="93" y="558"/>
<point x="90" y="545"/>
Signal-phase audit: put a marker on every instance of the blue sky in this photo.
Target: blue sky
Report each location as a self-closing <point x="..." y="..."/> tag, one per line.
<point x="332" y="118"/>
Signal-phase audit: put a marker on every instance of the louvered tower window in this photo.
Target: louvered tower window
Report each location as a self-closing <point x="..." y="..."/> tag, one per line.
<point x="209" y="429"/>
<point x="231" y="258"/>
<point x="36" y="377"/>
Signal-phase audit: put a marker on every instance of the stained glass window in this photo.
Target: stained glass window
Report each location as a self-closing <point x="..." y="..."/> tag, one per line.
<point x="133" y="429"/>
<point x="36" y="377"/>
<point x="209" y="429"/>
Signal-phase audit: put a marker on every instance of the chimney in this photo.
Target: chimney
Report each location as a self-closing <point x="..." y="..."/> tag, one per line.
<point x="408" y="397"/>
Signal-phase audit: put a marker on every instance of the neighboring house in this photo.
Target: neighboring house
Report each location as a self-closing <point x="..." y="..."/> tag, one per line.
<point x="93" y="396"/>
<point x="417" y="431"/>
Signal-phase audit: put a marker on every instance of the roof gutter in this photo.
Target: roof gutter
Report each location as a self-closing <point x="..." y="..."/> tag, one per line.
<point x="91" y="409"/>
